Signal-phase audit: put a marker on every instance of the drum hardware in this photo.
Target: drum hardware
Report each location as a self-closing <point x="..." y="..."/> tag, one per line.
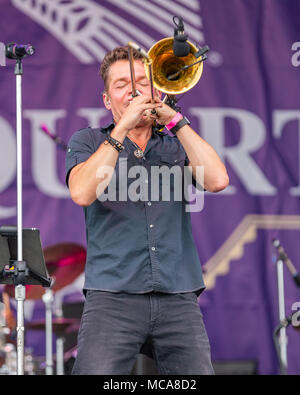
<point x="65" y="263"/>
<point x="18" y="272"/>
<point x="280" y="331"/>
<point x="60" y="327"/>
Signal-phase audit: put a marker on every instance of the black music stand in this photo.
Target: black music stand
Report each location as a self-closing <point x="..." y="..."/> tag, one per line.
<point x="32" y="270"/>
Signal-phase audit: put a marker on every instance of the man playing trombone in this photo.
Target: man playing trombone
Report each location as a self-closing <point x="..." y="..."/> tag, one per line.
<point x="143" y="273"/>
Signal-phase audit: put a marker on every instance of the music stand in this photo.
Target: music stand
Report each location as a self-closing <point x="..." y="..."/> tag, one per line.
<point x="30" y="271"/>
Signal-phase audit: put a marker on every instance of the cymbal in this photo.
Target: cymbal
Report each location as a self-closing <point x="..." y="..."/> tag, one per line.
<point x="64" y="261"/>
<point x="60" y="326"/>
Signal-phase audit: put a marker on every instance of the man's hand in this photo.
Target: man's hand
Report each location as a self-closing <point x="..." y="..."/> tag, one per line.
<point x="164" y="114"/>
<point x="135" y="111"/>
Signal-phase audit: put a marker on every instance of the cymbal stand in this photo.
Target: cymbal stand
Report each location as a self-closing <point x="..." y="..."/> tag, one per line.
<point x="48" y="301"/>
<point x="60" y="339"/>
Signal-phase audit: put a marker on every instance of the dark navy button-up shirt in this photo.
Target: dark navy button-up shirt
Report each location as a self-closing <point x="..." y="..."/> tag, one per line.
<point x="143" y="243"/>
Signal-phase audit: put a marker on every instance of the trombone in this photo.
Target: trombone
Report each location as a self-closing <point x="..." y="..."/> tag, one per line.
<point x="166" y="72"/>
<point x="148" y="65"/>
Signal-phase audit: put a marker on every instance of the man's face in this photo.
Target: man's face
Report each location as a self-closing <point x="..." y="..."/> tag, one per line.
<point x="119" y="92"/>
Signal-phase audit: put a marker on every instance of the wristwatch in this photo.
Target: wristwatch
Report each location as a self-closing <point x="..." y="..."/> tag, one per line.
<point x="184" y="121"/>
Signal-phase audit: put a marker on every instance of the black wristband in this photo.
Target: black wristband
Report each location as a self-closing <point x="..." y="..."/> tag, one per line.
<point x="184" y="121"/>
<point x="115" y="143"/>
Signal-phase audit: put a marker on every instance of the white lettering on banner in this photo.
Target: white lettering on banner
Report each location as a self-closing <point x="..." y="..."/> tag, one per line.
<point x="212" y="126"/>
<point x="44" y="164"/>
<point x="280" y="119"/>
<point x="93" y="115"/>
<point x="7" y="163"/>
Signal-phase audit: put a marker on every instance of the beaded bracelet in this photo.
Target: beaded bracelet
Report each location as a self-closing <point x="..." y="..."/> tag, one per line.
<point x="115" y="143"/>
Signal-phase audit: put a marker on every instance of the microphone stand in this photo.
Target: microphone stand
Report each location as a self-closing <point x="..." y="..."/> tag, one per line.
<point x="283" y="324"/>
<point x="282" y="352"/>
<point x="20" y="289"/>
<point x="55" y="138"/>
<point x="17" y="53"/>
<point x="281" y="348"/>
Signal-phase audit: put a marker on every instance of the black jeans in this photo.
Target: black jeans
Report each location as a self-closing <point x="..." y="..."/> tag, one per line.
<point x="114" y="327"/>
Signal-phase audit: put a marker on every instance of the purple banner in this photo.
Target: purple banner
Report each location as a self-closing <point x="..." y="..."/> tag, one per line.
<point x="246" y="105"/>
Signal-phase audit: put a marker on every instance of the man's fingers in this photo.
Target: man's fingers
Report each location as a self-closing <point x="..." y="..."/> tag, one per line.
<point x="150" y="106"/>
<point x="157" y="99"/>
<point x="141" y="99"/>
<point x="145" y="99"/>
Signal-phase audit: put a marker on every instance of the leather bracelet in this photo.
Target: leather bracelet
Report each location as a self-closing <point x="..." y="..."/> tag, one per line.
<point x="115" y="143"/>
<point x="184" y="121"/>
<point x="177" y="117"/>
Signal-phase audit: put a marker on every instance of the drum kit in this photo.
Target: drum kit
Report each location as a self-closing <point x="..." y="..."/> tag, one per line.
<point x="65" y="263"/>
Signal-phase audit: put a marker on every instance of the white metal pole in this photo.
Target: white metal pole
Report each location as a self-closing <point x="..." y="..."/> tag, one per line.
<point x="48" y="300"/>
<point x="59" y="339"/>
<point x="20" y="289"/>
<point x="282" y="316"/>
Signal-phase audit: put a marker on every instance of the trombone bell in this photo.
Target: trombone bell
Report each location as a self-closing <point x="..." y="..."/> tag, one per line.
<point x="166" y="64"/>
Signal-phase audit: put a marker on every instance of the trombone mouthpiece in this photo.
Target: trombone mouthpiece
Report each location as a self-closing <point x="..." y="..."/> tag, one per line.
<point x="135" y="46"/>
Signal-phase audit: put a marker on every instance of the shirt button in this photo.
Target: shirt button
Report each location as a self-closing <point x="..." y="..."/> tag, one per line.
<point x="151" y="226"/>
<point x="149" y="203"/>
<point x="153" y="248"/>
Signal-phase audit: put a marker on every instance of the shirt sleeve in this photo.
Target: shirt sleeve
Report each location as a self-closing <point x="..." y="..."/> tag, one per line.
<point x="80" y="148"/>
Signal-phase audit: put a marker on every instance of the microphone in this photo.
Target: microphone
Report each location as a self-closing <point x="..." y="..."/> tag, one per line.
<point x="57" y="139"/>
<point x="181" y="47"/>
<point x="15" y="51"/>
<point x="284" y="257"/>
